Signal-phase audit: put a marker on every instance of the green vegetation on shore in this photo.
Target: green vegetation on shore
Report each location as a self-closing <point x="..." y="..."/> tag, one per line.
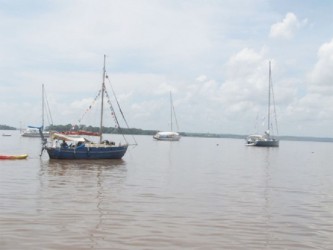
<point x="137" y="131"/>
<point x="105" y="130"/>
<point x="5" y="127"/>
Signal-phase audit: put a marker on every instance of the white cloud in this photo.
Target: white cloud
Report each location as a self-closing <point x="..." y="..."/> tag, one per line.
<point x="216" y="65"/>
<point x="201" y="78"/>
<point x="243" y="94"/>
<point x="321" y="77"/>
<point x="314" y="110"/>
<point x="287" y="27"/>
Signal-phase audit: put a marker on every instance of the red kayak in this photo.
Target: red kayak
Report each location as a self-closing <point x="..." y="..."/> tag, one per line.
<point x="13" y="157"/>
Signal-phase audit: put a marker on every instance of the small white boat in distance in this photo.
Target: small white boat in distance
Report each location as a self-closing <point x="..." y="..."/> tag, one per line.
<point x="34" y="132"/>
<point x="169" y="136"/>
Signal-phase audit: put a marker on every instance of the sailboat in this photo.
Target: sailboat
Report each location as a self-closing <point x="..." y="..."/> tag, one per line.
<point x="33" y="131"/>
<point x="265" y="140"/>
<point x="69" y="146"/>
<point x="169" y="135"/>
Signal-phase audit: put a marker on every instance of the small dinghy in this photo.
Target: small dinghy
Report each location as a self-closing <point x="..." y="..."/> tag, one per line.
<point x="13" y="157"/>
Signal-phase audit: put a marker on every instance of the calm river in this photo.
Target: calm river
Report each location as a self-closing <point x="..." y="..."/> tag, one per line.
<point x="198" y="193"/>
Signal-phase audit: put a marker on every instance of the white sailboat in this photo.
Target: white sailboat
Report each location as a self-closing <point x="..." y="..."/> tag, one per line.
<point x="169" y="135"/>
<point x="267" y="139"/>
<point x="33" y="131"/>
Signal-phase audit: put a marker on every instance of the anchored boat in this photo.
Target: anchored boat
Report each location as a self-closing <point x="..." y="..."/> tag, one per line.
<point x="169" y="135"/>
<point x="267" y="139"/>
<point x="77" y="145"/>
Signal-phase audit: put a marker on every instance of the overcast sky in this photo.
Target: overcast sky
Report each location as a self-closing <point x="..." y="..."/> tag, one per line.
<point x="213" y="55"/>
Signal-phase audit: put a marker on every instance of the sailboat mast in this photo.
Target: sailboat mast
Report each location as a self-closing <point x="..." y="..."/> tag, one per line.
<point x="269" y="97"/>
<point x="102" y="103"/>
<point x="171" y="110"/>
<point x="42" y="107"/>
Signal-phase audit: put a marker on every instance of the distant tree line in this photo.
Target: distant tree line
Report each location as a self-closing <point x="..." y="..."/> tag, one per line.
<point x="137" y="131"/>
<point x="105" y="130"/>
<point x="132" y="131"/>
<point x="5" y="127"/>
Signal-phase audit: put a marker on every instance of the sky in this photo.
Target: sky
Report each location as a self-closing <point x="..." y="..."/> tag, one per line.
<point x="212" y="55"/>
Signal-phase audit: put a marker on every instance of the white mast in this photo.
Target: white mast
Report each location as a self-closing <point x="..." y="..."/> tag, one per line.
<point x="42" y="107"/>
<point x="171" y="110"/>
<point x="102" y="104"/>
<point x="269" y="98"/>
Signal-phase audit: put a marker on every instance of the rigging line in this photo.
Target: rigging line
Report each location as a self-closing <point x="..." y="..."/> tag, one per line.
<point x="111" y="108"/>
<point x="275" y="115"/>
<point x="174" y="114"/>
<point x="48" y="113"/>
<point x="114" y="114"/>
<point x="114" y="94"/>
<point x="120" y="110"/>
<point x="93" y="102"/>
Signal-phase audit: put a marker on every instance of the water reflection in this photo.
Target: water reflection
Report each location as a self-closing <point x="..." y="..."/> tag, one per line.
<point x="185" y="195"/>
<point x="80" y="194"/>
<point x="267" y="196"/>
<point x="263" y="164"/>
<point x="81" y="164"/>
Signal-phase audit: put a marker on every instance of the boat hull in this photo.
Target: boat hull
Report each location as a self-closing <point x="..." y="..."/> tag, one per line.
<point x="13" y="157"/>
<point x="268" y="143"/>
<point x="166" y="139"/>
<point x="272" y="143"/>
<point x="35" y="135"/>
<point x="87" y="152"/>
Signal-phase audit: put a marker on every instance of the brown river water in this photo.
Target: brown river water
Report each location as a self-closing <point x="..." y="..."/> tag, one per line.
<point x="198" y="193"/>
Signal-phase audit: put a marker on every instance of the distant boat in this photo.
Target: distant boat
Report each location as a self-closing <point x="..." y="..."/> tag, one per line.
<point x="6" y="135"/>
<point x="169" y="135"/>
<point x="33" y="131"/>
<point x="76" y="146"/>
<point x="265" y="140"/>
<point x="13" y="157"/>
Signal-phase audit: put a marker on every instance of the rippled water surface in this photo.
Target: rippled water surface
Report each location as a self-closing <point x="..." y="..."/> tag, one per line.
<point x="197" y="193"/>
